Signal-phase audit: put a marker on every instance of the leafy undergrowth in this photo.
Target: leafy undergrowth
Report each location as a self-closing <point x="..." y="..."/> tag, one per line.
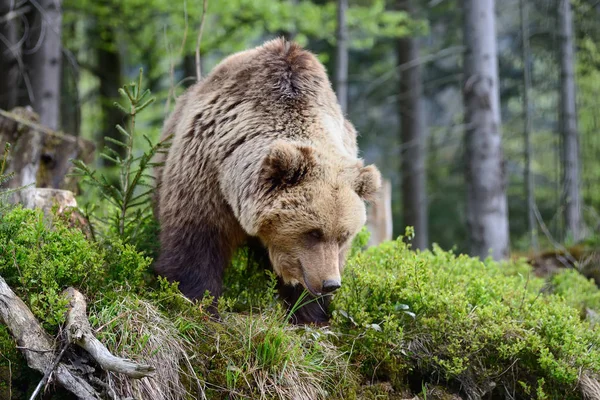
<point x="481" y="327"/>
<point x="404" y="324"/>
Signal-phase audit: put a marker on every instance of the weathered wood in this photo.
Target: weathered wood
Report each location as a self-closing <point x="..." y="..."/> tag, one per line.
<point x="39" y="156"/>
<point x="36" y="345"/>
<point x="42" y="54"/>
<point x="45" y="199"/>
<point x="379" y="215"/>
<point x="80" y="333"/>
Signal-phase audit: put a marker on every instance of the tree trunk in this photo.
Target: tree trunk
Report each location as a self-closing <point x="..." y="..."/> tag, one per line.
<point x="568" y="123"/>
<point x="9" y="54"/>
<point x="341" y="56"/>
<point x="43" y="58"/>
<point x="528" y="176"/>
<point x="487" y="211"/>
<point x="413" y="137"/>
<point x="70" y="105"/>
<point x="109" y="68"/>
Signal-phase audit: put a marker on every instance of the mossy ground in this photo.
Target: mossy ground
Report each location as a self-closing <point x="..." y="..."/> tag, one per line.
<point x="404" y="323"/>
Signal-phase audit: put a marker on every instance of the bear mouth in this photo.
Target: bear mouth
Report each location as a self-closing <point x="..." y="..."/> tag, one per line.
<point x="307" y="285"/>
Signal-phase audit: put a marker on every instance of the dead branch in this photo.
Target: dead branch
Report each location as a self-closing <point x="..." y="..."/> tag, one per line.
<point x="49" y="371"/>
<point x="80" y="333"/>
<point x="29" y="334"/>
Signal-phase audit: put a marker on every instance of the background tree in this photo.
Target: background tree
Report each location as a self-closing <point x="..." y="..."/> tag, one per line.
<point x="105" y="42"/>
<point x="413" y="135"/>
<point x="527" y="173"/>
<point x="568" y="122"/>
<point x="487" y="211"/>
<point x="9" y="55"/>
<point x="43" y="57"/>
<point x="341" y="55"/>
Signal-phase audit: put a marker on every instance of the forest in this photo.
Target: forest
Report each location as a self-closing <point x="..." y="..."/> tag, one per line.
<point x="475" y="276"/>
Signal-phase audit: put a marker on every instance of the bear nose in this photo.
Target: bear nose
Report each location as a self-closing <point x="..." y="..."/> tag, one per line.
<point x="331" y="285"/>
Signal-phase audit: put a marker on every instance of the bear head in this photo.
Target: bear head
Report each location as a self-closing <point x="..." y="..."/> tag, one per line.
<point x="314" y="206"/>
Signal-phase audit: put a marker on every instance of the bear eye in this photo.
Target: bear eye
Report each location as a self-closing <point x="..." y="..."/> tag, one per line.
<point x="343" y="237"/>
<point x="316" y="234"/>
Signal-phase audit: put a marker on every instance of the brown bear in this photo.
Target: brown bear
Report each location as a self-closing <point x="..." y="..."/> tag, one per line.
<point x="262" y="150"/>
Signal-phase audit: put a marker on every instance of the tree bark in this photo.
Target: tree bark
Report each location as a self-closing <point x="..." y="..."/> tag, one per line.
<point x="528" y="176"/>
<point x="341" y="55"/>
<point x="413" y="134"/>
<point x="9" y="54"/>
<point x="568" y="123"/>
<point x="43" y="59"/>
<point x="70" y="104"/>
<point x="487" y="211"/>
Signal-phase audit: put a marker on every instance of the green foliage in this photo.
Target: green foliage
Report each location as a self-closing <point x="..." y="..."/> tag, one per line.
<point x="249" y="283"/>
<point x="457" y="319"/>
<point x="128" y="209"/>
<point x="577" y="291"/>
<point x="39" y="261"/>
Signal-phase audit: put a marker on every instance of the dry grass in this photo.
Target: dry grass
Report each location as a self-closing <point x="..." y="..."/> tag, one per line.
<point x="590" y="387"/>
<point x="257" y="356"/>
<point x="136" y="329"/>
<point x="280" y="361"/>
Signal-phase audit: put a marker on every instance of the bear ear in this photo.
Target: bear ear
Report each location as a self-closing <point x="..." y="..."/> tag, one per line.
<point x="368" y="182"/>
<point x="287" y="164"/>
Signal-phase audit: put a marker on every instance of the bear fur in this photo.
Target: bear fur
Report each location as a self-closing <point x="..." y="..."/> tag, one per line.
<point x="261" y="149"/>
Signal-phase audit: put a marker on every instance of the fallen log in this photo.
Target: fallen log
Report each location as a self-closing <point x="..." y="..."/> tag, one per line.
<point x="79" y="332"/>
<point x="43" y="355"/>
<point x="35" y="344"/>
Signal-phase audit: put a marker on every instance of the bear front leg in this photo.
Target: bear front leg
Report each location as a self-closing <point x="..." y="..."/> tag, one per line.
<point x="312" y="310"/>
<point x="196" y="257"/>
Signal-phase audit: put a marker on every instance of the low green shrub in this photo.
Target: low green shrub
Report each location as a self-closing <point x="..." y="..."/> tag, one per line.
<point x="39" y="259"/>
<point x="577" y="291"/>
<point x="436" y="316"/>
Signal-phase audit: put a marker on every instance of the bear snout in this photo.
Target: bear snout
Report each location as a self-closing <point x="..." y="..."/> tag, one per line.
<point x="331" y="285"/>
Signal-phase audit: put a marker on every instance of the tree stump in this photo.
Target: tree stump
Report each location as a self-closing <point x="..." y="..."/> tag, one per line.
<point x="379" y="215"/>
<point x="45" y="199"/>
<point x="39" y="156"/>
